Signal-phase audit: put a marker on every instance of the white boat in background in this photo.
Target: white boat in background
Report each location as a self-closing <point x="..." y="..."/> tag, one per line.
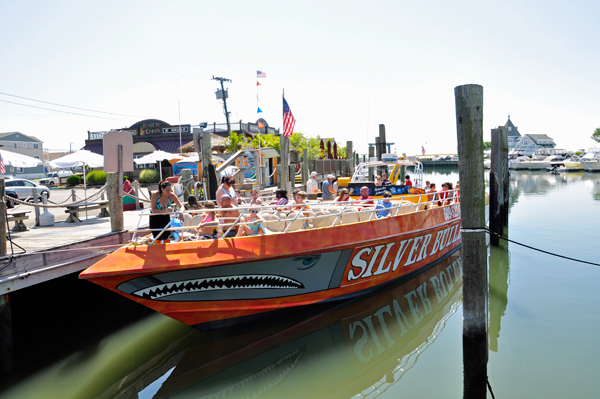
<point x="567" y="165"/>
<point x="544" y="163"/>
<point x="591" y="160"/>
<point x="521" y="163"/>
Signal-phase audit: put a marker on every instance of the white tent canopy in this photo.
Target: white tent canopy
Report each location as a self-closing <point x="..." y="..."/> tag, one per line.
<point x="18" y="160"/>
<point x="156" y="156"/>
<point x="79" y="158"/>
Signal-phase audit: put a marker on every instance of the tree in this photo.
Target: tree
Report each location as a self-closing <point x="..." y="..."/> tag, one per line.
<point x="487" y="145"/>
<point x="266" y="140"/>
<point x="235" y="141"/>
<point x="596" y="135"/>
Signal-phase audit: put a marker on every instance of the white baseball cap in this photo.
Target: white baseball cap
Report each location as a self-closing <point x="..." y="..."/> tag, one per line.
<point x="313" y="174"/>
<point x="330" y="176"/>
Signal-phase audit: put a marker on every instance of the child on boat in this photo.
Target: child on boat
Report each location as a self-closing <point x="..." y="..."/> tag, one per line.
<point x="254" y="227"/>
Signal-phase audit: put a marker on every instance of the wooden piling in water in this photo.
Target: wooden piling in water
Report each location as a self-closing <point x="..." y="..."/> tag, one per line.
<point x="469" y="126"/>
<point x="496" y="187"/>
<point x="2" y="219"/>
<point x="6" y="335"/>
<point x="505" y="176"/>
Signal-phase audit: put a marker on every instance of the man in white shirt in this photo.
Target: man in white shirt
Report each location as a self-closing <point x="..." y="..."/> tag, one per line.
<point x="312" y="187"/>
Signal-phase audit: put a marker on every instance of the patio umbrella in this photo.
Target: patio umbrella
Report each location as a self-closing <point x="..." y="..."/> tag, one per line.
<point x="79" y="158"/>
<point x="18" y="160"/>
<point x="322" y="148"/>
<point x="156" y="156"/>
<point x="329" y="156"/>
<point x="335" y="156"/>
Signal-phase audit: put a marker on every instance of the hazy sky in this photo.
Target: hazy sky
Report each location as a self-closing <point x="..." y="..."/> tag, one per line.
<point x="346" y="66"/>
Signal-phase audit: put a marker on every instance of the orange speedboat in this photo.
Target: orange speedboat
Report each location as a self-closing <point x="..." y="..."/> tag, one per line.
<point x="219" y="282"/>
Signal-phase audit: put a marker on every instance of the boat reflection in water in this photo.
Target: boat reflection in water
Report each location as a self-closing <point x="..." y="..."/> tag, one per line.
<point x="360" y="348"/>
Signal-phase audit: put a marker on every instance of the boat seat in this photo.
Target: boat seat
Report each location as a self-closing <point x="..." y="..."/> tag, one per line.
<point x="196" y="220"/>
<point x="297" y="224"/>
<point x="187" y="220"/>
<point x="365" y="215"/>
<point x="323" y="219"/>
<point x="349" y="217"/>
<point x="273" y="223"/>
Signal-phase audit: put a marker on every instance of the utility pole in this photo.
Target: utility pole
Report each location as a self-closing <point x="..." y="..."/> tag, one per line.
<point x="222" y="95"/>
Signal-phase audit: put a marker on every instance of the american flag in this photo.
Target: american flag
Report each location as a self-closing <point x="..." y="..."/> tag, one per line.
<point x="288" y="120"/>
<point x="260" y="74"/>
<point x="423" y="150"/>
<point x="2" y="165"/>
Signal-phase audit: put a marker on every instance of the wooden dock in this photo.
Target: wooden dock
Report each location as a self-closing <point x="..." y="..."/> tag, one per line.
<point x="55" y="251"/>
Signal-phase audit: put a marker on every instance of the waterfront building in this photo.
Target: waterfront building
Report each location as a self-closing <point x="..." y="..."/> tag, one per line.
<point x="23" y="144"/>
<point x="513" y="134"/>
<point x="153" y="134"/>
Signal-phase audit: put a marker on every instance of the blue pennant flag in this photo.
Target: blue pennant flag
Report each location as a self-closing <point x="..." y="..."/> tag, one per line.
<point x="259" y="110"/>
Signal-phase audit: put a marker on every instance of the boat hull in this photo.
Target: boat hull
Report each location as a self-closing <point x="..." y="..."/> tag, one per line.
<point x="214" y="283"/>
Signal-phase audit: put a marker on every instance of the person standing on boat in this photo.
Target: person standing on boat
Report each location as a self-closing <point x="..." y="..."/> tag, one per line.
<point x="407" y="181"/>
<point x="328" y="188"/>
<point x="385" y="204"/>
<point x="226" y="187"/>
<point x="312" y="187"/>
<point x="378" y="181"/>
<point x="384" y="180"/>
<point x="161" y="201"/>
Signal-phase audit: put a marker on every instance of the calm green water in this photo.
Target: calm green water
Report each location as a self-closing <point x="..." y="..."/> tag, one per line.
<point x="404" y="342"/>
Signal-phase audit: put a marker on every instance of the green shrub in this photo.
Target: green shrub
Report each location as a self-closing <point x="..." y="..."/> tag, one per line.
<point x="73" y="180"/>
<point x="96" y="177"/>
<point x="149" y="176"/>
<point x="125" y="178"/>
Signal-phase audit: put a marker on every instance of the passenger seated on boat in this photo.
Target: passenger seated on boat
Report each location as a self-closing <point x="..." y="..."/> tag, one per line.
<point x="384" y="180"/>
<point x="457" y="192"/>
<point x="161" y="203"/>
<point x="344" y="196"/>
<point x="209" y="227"/>
<point x="280" y="197"/>
<point x="385" y="204"/>
<point x="301" y="204"/>
<point x="378" y="180"/>
<point x="407" y="181"/>
<point x="365" y="198"/>
<point x="445" y="194"/>
<point x="193" y="204"/>
<point x="228" y="215"/>
<point x="432" y="194"/>
<point x="255" y="227"/>
<point x="256" y="200"/>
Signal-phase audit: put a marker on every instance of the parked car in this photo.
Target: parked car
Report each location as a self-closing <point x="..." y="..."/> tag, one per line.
<point x="10" y="193"/>
<point x="24" y="188"/>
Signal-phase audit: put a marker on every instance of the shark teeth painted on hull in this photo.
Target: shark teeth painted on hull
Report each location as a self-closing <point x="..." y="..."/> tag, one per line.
<point x="217" y="283"/>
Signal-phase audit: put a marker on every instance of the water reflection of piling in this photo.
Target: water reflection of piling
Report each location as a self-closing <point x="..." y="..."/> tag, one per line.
<point x="498" y="297"/>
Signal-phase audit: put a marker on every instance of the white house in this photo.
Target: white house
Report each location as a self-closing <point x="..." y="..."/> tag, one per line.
<point x="25" y="145"/>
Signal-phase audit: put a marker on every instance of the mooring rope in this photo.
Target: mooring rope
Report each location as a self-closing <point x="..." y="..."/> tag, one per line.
<point x="530" y="247"/>
<point x="61" y="205"/>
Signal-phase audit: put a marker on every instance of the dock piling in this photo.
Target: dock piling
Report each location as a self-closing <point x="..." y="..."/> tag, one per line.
<point x="115" y="203"/>
<point x="3" y="222"/>
<point x="505" y="176"/>
<point x="496" y="188"/>
<point x="469" y="126"/>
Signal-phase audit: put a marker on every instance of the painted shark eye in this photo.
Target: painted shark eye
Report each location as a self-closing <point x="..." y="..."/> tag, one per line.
<point x="308" y="261"/>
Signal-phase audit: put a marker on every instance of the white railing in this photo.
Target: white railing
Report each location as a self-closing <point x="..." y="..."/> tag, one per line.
<point x="342" y="213"/>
